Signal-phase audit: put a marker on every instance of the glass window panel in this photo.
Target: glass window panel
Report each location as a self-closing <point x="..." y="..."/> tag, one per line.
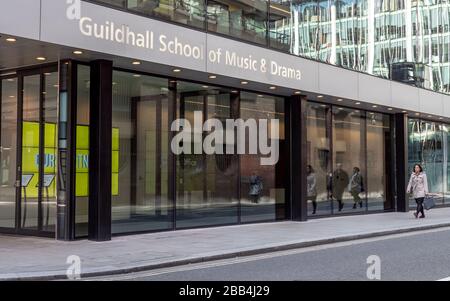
<point x="82" y="152"/>
<point x="207" y="185"/>
<point x="379" y="165"/>
<point x="189" y="12"/>
<point x="8" y="151"/>
<point x="245" y="20"/>
<point x="262" y="186"/>
<point x="319" y="160"/>
<point x="139" y="153"/>
<point x="30" y="152"/>
<point x="426" y="147"/>
<point x="349" y="172"/>
<point x="50" y="115"/>
<point x="280" y="28"/>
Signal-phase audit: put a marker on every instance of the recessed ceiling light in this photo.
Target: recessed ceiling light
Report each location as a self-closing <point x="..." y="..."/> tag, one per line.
<point x="339" y="99"/>
<point x="429" y="116"/>
<point x="205" y="87"/>
<point x="176" y="70"/>
<point x="389" y="109"/>
<point x="441" y="118"/>
<point x="319" y="96"/>
<point x="244" y="82"/>
<point x="234" y="91"/>
<point x="356" y="111"/>
<point x="260" y="95"/>
<point x="323" y="106"/>
<point x="340" y="108"/>
<point x="272" y="88"/>
<point x="41" y="58"/>
<point x="11" y="40"/>
<point x="10" y="79"/>
<point x="358" y="103"/>
<point x="404" y="111"/>
<point x="55" y="86"/>
<point x="47" y="74"/>
<point x="417" y="113"/>
<point x="78" y="52"/>
<point x="136" y="75"/>
<point x="297" y="92"/>
<point x="374" y="106"/>
<point x="212" y="76"/>
<point x="172" y="81"/>
<point x="11" y="96"/>
<point x="136" y="63"/>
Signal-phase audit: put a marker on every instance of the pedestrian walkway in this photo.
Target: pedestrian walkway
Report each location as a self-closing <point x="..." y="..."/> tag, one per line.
<point x="43" y="258"/>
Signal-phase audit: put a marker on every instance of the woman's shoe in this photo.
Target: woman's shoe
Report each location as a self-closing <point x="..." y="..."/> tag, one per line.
<point x="422" y="216"/>
<point x="415" y="214"/>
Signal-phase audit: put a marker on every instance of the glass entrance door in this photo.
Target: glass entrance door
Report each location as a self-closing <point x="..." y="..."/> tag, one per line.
<point x="8" y="151"/>
<point x="37" y="151"/>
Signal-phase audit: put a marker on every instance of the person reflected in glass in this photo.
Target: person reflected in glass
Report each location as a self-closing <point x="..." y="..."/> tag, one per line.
<point x="339" y="183"/>
<point x="418" y="187"/>
<point x="311" y="192"/>
<point x="355" y="187"/>
<point x="256" y="187"/>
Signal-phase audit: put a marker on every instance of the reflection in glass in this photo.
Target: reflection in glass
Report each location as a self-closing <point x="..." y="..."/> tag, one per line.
<point x="207" y="185"/>
<point x="82" y="151"/>
<point x="8" y="150"/>
<point x="378" y="161"/>
<point x="349" y="170"/>
<point x="426" y="147"/>
<point x="30" y="192"/>
<point x="262" y="186"/>
<point x="398" y="39"/>
<point x="139" y="153"/>
<point x="280" y="24"/>
<point x="245" y="20"/>
<point x="318" y="158"/>
<point x="189" y="12"/>
<point x="50" y="95"/>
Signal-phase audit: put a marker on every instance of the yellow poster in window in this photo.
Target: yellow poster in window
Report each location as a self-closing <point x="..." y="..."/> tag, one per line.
<point x="30" y="160"/>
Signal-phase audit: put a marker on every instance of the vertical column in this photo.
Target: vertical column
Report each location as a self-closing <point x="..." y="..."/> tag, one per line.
<point x="401" y="159"/>
<point x="298" y="157"/>
<point x="65" y="229"/>
<point x="100" y="144"/>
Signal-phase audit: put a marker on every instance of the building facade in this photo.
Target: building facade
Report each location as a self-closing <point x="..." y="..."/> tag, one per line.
<point x="130" y="116"/>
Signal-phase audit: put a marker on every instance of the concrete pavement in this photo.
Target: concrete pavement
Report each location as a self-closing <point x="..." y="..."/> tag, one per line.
<point x="30" y="258"/>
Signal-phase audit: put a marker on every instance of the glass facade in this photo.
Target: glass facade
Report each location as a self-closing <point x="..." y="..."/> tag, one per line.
<point x="269" y="201"/>
<point x="349" y="153"/>
<point x="349" y="163"/>
<point x="8" y="151"/>
<point x="207" y="185"/>
<point x="402" y="40"/>
<point x="428" y="146"/>
<point x="82" y="151"/>
<point x="224" y="186"/>
<point x="139" y="153"/>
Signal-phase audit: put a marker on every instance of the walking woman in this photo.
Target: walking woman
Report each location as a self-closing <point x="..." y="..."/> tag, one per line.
<point x="418" y="186"/>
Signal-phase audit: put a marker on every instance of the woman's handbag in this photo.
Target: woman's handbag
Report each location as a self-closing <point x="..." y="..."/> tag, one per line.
<point x="428" y="202"/>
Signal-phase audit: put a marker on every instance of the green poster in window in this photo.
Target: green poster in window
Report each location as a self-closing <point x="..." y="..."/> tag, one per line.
<point x="30" y="160"/>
